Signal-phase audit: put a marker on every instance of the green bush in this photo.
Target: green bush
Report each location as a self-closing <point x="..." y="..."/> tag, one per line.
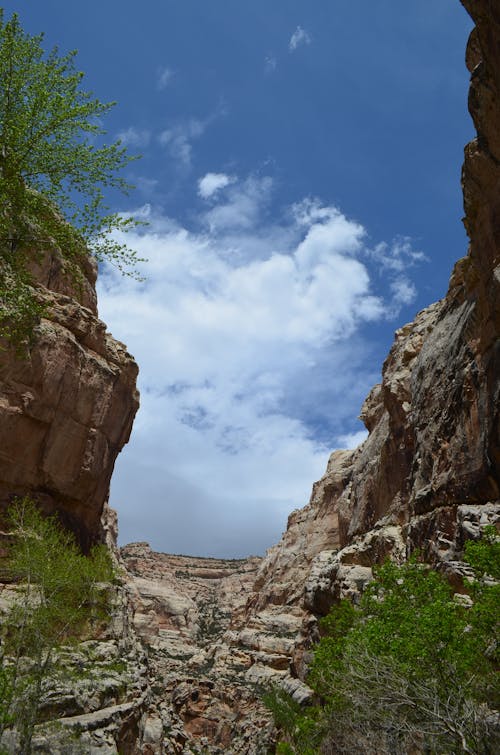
<point x="53" y="174"/>
<point x="484" y="554"/>
<point x="412" y="668"/>
<point x="58" y="598"/>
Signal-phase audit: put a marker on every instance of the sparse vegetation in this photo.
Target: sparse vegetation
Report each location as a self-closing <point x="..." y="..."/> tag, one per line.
<point x="59" y="596"/>
<point x="212" y="621"/>
<point x="53" y="175"/>
<point x="411" y="669"/>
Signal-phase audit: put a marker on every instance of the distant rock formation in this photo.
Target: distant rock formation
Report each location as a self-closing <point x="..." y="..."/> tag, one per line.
<point x="67" y="408"/>
<point x="186" y="612"/>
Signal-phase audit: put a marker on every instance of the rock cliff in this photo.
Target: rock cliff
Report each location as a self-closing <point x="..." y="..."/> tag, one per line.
<point x="67" y="406"/>
<point x="428" y="475"/>
<point x="66" y="409"/>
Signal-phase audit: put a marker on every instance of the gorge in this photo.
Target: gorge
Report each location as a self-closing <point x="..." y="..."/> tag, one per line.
<point x="192" y="641"/>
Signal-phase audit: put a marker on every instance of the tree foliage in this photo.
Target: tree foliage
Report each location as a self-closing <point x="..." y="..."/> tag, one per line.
<point x="414" y="668"/>
<point x="53" y="173"/>
<point x="58" y="597"/>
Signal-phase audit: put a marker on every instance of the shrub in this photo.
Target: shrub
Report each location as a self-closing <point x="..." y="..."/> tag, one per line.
<point x="59" y="595"/>
<point x="410" y="669"/>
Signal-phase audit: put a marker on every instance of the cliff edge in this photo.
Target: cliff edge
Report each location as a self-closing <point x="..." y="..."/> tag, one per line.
<point x="67" y="405"/>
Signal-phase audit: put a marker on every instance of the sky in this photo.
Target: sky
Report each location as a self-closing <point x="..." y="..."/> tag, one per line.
<point x="300" y="177"/>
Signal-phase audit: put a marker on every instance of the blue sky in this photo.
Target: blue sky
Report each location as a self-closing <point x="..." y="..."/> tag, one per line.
<point x="301" y="178"/>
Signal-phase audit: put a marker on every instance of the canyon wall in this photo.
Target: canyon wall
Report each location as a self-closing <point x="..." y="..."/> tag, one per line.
<point x="433" y="450"/>
<point x="66" y="404"/>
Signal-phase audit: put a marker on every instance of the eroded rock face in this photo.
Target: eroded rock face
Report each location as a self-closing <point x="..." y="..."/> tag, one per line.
<point x="189" y="613"/>
<point x="66" y="409"/>
<point x="434" y="433"/>
<point x="427" y="478"/>
<point x="97" y="703"/>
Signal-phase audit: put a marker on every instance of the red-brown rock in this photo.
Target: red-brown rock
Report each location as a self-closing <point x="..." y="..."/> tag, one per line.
<point x="67" y="406"/>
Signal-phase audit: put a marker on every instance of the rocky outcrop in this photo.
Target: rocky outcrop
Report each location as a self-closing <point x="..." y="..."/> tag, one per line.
<point x="97" y="700"/>
<point x="188" y="613"/>
<point x="67" y="405"/>
<point x="66" y="409"/>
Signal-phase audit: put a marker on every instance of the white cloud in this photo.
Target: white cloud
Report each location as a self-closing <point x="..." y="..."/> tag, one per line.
<point x="135" y="137"/>
<point x="211" y="183"/>
<point x="165" y="76"/>
<point x="299" y="37"/>
<point x="237" y="330"/>
<point x="179" y="137"/>
<point x="397" y="256"/>
<point x="241" y="205"/>
<point x="352" y="440"/>
<point x="403" y="290"/>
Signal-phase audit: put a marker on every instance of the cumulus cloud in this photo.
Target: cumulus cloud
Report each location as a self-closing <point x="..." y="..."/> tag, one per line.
<point x="241" y="206"/>
<point x="211" y="183"/>
<point x="165" y="76"/>
<point x="239" y="327"/>
<point x="299" y="38"/>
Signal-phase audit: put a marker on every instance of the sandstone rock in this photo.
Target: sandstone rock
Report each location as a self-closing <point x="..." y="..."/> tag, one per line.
<point x="66" y="408"/>
<point x="188" y="613"/>
<point x="97" y="701"/>
<point x="426" y="478"/>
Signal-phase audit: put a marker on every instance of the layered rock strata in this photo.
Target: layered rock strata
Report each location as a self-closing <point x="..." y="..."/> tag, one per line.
<point x="97" y="702"/>
<point x="67" y="405"/>
<point x="187" y="612"/>
<point x="66" y="409"/>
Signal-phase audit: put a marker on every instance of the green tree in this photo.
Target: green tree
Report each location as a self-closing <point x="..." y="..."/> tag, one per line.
<point x="413" y="668"/>
<point x="59" y="596"/>
<point x="53" y="173"/>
